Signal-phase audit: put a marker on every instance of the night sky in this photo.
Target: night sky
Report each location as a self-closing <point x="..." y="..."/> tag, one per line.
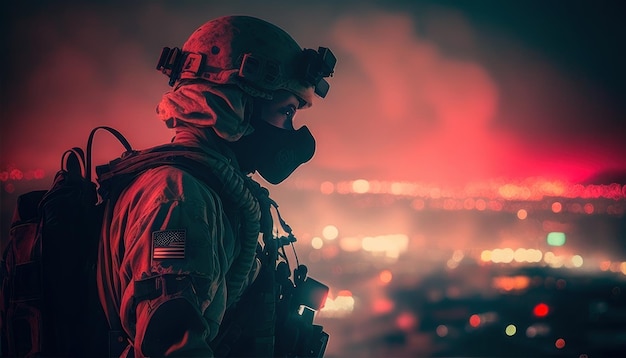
<point x="444" y="92"/>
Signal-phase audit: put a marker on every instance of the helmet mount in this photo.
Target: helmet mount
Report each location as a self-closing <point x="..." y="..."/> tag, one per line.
<point x="318" y="65"/>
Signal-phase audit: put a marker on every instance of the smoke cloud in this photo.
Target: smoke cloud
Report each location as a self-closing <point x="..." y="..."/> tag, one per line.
<point x="411" y="99"/>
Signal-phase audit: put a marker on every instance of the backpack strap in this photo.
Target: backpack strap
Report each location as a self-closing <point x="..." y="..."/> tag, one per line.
<point x="117" y="135"/>
<point x="117" y="338"/>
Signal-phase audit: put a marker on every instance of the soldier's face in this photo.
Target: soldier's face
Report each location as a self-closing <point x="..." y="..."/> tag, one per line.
<point x="280" y="110"/>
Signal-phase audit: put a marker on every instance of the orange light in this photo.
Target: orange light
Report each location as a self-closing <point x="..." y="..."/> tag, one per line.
<point x="474" y="320"/>
<point x="382" y="306"/>
<point x="345" y="293"/>
<point x="385" y="276"/>
<point x="481" y="205"/>
<point x="541" y="310"/>
<point x="360" y="186"/>
<point x="511" y="283"/>
<point x="327" y="187"/>
<point x="605" y="265"/>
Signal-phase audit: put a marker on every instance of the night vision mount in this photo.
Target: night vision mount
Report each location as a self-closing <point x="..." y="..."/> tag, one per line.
<point x="313" y="67"/>
<point x="318" y="65"/>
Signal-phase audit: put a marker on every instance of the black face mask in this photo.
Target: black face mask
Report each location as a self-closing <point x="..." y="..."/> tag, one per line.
<point x="274" y="152"/>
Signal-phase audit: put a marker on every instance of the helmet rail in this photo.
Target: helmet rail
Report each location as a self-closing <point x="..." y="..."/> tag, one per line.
<point x="316" y="66"/>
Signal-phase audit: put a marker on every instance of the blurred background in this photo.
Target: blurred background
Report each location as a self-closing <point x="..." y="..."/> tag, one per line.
<point x="468" y="194"/>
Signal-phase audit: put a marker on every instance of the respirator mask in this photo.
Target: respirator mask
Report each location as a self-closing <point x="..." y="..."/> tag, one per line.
<point x="273" y="152"/>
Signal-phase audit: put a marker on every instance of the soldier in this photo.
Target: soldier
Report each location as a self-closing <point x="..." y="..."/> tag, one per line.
<point x="177" y="250"/>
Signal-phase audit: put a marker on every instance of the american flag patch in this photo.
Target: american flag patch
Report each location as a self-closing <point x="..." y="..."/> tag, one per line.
<point x="168" y="244"/>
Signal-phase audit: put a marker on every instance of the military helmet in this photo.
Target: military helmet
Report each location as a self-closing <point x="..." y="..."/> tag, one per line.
<point x="253" y="54"/>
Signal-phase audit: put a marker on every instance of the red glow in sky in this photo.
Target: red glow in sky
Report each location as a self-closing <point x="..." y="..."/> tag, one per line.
<point x="419" y="113"/>
<point x="411" y="99"/>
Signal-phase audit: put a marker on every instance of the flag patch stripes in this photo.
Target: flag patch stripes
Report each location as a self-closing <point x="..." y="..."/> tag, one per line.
<point x="168" y="244"/>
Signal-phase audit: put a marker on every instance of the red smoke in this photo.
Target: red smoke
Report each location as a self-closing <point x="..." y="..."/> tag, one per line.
<point x="402" y="106"/>
<point x="404" y="109"/>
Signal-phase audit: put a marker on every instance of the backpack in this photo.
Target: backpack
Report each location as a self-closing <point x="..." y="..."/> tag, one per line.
<point x="50" y="304"/>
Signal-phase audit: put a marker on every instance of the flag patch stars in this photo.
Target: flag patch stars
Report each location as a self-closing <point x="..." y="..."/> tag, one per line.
<point x="168" y="244"/>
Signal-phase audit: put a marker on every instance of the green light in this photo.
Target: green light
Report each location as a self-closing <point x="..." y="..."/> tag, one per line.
<point x="556" y="238"/>
<point x="510" y="330"/>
